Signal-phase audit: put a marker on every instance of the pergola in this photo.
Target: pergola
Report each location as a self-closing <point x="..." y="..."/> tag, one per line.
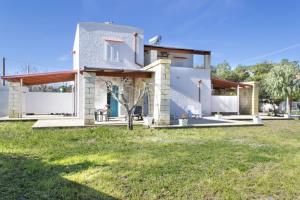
<point x="18" y="81"/>
<point x="42" y="78"/>
<point x="223" y="84"/>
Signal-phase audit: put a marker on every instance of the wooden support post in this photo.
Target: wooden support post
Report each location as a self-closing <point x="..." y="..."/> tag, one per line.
<point x="238" y="99"/>
<point x="21" y="98"/>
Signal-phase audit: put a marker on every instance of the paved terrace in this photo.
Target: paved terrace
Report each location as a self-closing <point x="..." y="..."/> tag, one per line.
<point x="58" y="121"/>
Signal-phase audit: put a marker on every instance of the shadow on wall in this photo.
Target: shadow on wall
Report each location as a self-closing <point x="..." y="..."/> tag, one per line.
<point x="176" y="110"/>
<point x="26" y="178"/>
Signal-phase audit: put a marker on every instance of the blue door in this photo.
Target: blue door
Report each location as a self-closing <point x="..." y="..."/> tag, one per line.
<point x="114" y="105"/>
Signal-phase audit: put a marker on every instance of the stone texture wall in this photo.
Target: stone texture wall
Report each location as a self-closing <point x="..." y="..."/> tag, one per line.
<point x="15" y="100"/>
<point x="162" y="92"/>
<point x="89" y="98"/>
<point x="249" y="99"/>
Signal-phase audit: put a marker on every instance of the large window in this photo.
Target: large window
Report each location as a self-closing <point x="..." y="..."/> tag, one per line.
<point x="113" y="51"/>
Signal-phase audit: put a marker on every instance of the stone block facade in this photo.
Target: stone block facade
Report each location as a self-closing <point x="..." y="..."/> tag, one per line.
<point x="89" y="98"/>
<point x="249" y="99"/>
<point x="15" y="100"/>
<point x="160" y="92"/>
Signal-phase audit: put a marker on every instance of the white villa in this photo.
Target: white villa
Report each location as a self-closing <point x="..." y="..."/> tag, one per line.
<point x="180" y="84"/>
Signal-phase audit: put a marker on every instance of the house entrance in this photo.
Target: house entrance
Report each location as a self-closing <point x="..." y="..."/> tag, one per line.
<point x="112" y="102"/>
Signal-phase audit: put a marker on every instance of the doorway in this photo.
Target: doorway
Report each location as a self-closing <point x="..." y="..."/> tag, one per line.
<point x="112" y="102"/>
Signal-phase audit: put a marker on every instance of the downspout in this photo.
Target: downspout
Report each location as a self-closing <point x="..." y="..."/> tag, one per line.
<point x="135" y="50"/>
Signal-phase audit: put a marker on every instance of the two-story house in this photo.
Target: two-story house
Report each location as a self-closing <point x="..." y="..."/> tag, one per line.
<point x="179" y="79"/>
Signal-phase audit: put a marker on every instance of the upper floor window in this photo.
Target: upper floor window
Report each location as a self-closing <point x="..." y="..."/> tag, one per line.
<point x="113" y="51"/>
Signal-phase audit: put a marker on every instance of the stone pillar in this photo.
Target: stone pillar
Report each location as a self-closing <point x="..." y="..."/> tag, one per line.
<point x="162" y="92"/>
<point x="255" y="98"/>
<point x="249" y="99"/>
<point x="89" y="98"/>
<point x="207" y="61"/>
<point x="15" y="100"/>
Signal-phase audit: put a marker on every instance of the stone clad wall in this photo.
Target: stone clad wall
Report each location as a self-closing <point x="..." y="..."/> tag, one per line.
<point x="89" y="98"/>
<point x="161" y="91"/>
<point x="245" y="101"/>
<point x="15" y="100"/>
<point x="249" y="99"/>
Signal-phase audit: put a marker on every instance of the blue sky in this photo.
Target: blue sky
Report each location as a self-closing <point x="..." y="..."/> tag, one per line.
<point x="41" y="33"/>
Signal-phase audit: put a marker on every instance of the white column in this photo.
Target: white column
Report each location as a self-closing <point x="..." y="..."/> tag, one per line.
<point x="207" y="61"/>
<point x="238" y="99"/>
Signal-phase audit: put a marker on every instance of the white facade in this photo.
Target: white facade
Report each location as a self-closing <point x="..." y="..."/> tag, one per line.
<point x="100" y="45"/>
<point x="190" y="88"/>
<point x="110" y="46"/>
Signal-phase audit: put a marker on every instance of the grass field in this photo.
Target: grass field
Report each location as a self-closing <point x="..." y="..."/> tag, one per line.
<point x="112" y="163"/>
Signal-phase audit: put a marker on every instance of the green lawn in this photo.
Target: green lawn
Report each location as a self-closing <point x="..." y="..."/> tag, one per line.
<point x="112" y="163"/>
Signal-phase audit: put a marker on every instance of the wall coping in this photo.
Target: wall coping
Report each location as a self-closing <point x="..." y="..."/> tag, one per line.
<point x="157" y="62"/>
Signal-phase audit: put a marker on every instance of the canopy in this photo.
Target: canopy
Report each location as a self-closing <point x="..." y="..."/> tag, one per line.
<point x="42" y="78"/>
<point x="222" y="84"/>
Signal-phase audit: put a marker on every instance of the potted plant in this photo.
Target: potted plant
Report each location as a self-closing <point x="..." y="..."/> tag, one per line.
<point x="257" y="119"/>
<point x="183" y="120"/>
<point x="218" y="115"/>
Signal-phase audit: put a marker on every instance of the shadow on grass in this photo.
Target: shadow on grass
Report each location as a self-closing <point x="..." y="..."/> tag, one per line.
<point x="25" y="178"/>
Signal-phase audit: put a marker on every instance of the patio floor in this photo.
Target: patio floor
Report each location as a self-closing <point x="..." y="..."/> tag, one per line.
<point x="59" y="121"/>
<point x="78" y="123"/>
<point x="206" y="122"/>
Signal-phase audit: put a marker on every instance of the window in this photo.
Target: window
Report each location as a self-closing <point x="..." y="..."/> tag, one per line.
<point x="113" y="50"/>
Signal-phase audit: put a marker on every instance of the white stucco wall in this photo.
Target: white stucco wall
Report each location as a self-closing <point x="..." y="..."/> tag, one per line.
<point x="76" y="50"/>
<point x="185" y="90"/>
<point x="101" y="92"/>
<point x="93" y="40"/>
<point x="224" y="104"/>
<point x="3" y="101"/>
<point x="48" y="102"/>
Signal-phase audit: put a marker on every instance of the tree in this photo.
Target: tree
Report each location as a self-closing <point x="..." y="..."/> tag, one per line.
<point x="223" y="71"/>
<point x="259" y="73"/>
<point x="241" y="73"/>
<point x="127" y="92"/>
<point x="282" y="82"/>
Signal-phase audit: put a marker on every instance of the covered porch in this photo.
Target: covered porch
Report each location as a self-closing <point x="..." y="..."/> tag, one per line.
<point x="229" y="97"/>
<point x="90" y="94"/>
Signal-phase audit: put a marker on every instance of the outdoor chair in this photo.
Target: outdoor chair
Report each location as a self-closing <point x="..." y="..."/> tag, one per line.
<point x="138" y="111"/>
<point x="100" y="113"/>
<point x="193" y="112"/>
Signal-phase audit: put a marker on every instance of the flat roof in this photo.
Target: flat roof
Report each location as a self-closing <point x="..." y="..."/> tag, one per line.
<point x="176" y="50"/>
